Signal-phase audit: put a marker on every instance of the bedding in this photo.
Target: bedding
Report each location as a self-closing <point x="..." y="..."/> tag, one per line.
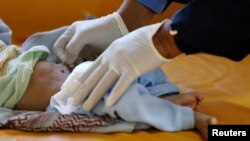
<point x="54" y="121"/>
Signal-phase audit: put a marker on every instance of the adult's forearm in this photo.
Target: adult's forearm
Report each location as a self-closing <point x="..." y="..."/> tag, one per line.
<point x="165" y="43"/>
<point x="134" y="14"/>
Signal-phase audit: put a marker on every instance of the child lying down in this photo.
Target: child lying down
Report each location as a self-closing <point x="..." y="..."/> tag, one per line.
<point x="30" y="82"/>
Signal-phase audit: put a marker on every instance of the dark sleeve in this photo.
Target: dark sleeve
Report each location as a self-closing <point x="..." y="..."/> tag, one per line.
<point x="159" y="6"/>
<point x="220" y="29"/>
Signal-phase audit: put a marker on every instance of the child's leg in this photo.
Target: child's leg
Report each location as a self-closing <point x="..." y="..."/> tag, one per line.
<point x="193" y="99"/>
<point x="202" y="121"/>
<point x="190" y="99"/>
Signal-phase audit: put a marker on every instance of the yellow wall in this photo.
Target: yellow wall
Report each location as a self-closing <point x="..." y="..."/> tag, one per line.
<point x="29" y="16"/>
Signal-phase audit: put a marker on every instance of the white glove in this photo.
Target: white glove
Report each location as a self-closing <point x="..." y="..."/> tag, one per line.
<point x="123" y="61"/>
<point x="97" y="33"/>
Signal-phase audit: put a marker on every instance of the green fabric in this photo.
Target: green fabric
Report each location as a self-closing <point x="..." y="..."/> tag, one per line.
<point x="15" y="82"/>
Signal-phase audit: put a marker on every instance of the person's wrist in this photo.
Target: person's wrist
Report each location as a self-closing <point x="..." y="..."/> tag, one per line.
<point x="134" y="14"/>
<point x="164" y="42"/>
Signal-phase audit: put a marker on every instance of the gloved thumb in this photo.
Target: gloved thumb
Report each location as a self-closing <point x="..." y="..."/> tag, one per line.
<point x="73" y="48"/>
<point x="62" y="42"/>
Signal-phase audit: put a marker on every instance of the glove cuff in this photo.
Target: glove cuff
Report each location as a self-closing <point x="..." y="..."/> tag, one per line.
<point x="156" y="27"/>
<point x="122" y="26"/>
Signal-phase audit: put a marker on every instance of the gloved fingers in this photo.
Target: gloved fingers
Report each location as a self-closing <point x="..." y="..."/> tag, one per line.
<point x="102" y="87"/>
<point x="119" y="89"/>
<point x="74" y="47"/>
<point x="61" y="43"/>
<point x="87" y="85"/>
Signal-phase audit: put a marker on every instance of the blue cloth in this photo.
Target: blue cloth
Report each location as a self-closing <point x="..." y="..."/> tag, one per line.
<point x="5" y="33"/>
<point x="46" y="39"/>
<point x="142" y="105"/>
<point x="159" y="6"/>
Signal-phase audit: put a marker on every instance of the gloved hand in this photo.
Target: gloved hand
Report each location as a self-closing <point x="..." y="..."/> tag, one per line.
<point x="98" y="33"/>
<point x="123" y="61"/>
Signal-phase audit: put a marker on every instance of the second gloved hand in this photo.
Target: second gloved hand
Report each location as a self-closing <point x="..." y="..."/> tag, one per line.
<point x="96" y="33"/>
<point x="123" y="61"/>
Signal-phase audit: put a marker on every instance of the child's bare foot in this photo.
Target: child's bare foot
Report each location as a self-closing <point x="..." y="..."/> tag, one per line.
<point x="202" y="121"/>
<point x="190" y="99"/>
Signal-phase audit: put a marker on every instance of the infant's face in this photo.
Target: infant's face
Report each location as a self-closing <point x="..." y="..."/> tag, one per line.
<point x="45" y="81"/>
